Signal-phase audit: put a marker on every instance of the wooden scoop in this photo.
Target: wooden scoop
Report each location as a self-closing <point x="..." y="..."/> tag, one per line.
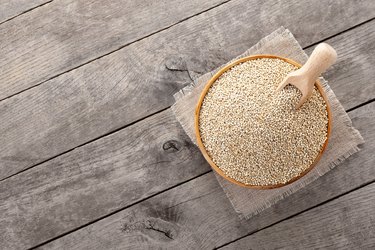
<point x="304" y="78"/>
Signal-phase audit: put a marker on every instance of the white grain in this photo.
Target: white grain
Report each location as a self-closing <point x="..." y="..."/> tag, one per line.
<point x="254" y="134"/>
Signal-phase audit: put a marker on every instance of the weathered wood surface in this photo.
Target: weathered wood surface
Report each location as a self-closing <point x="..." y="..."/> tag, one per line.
<point x="109" y="174"/>
<point x="95" y="180"/>
<point x="345" y="223"/>
<point x="13" y="8"/>
<point x="134" y="82"/>
<point x="197" y="215"/>
<point x="65" y="34"/>
<point x="114" y="172"/>
<point x="355" y="65"/>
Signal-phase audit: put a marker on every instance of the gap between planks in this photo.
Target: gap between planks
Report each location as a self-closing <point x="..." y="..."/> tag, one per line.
<point x="339" y="33"/>
<point x="88" y="142"/>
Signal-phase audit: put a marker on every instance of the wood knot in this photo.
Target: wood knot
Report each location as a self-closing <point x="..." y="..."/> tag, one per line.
<point x="172" y="146"/>
<point x="176" y="64"/>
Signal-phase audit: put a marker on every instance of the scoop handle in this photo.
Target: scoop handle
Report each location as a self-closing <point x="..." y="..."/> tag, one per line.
<point x="319" y="61"/>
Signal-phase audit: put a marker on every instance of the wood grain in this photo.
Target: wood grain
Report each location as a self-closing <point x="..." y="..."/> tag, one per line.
<point x="140" y="79"/>
<point x="92" y="181"/>
<point x="96" y="179"/>
<point x="345" y="223"/>
<point x="65" y="34"/>
<point x="13" y="8"/>
<point x="354" y="65"/>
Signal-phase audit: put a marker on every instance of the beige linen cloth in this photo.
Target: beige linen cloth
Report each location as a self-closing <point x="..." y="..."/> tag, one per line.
<point x="343" y="142"/>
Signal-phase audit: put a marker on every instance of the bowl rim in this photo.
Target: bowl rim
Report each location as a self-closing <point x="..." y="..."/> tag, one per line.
<point x="198" y="108"/>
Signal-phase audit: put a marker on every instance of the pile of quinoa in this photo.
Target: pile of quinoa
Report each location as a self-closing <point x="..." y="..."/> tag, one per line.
<point x="253" y="133"/>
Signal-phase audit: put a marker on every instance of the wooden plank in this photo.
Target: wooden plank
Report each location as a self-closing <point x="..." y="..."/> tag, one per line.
<point x="65" y="34"/>
<point x="92" y="181"/>
<point x="95" y="180"/>
<point x="76" y="107"/>
<point x="345" y="223"/>
<point x="12" y="8"/>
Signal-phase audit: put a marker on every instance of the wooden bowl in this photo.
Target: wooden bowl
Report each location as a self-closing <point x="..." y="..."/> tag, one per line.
<point x="199" y="139"/>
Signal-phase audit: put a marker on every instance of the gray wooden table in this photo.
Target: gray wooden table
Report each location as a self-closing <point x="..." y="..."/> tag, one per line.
<point x="91" y="156"/>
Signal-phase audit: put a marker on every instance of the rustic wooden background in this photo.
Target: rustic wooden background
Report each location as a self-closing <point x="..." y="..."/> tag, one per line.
<point x="91" y="156"/>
